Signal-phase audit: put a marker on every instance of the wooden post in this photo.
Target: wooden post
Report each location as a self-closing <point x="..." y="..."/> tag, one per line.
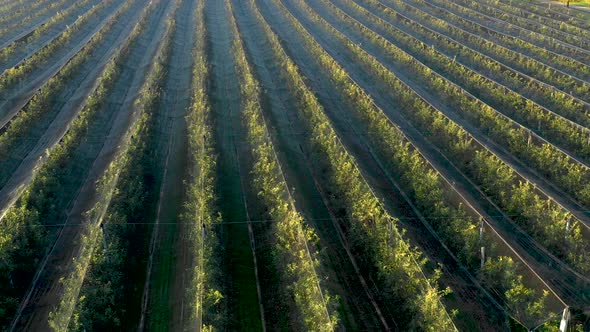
<point x="482" y="247"/>
<point x="565" y="318"/>
<point x="391" y="232"/>
<point x="104" y="241"/>
<point x="483" y="256"/>
<point x="481" y="230"/>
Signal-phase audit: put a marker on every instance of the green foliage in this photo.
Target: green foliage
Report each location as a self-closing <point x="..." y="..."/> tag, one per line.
<point x="55" y="20"/>
<point x="25" y="126"/>
<point x="19" y="20"/>
<point x="205" y="299"/>
<point x="126" y="196"/>
<point x="517" y="17"/>
<point x="41" y="58"/>
<point x="521" y="62"/>
<point x="541" y="216"/>
<point x="544" y="49"/>
<point x="296" y="261"/>
<point x="399" y="266"/>
<point x="422" y="182"/>
<point x="545" y="158"/>
<point x="526" y="305"/>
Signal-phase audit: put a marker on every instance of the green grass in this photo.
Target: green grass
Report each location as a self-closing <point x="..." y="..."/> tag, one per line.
<point x="579" y="3"/>
<point x="583" y="3"/>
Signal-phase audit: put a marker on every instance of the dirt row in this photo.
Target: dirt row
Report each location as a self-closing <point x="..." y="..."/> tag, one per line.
<point x="244" y="308"/>
<point x="169" y="275"/>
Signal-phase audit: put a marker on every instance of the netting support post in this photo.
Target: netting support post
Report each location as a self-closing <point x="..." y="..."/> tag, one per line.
<point x="104" y="240"/>
<point x="480" y="230"/>
<point x="391" y="232"/>
<point x="482" y="248"/>
<point x="565" y="319"/>
<point x="483" y="256"/>
<point x="567" y="228"/>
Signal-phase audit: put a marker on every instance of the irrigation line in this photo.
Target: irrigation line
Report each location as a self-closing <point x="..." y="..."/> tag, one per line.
<point x="28" y="45"/>
<point x="435" y="108"/>
<point x="346" y="247"/>
<point x="497" y="208"/>
<point x="566" y="17"/>
<point x="463" y="91"/>
<point x="275" y="220"/>
<point x="572" y="13"/>
<point x="415" y="209"/>
<point x="307" y="133"/>
<point x="4" y="29"/>
<point x="43" y="264"/>
<point x="431" y="230"/>
<point x="75" y="25"/>
<point x="11" y="7"/>
<point x="229" y="14"/>
<point x="33" y="34"/>
<point x="54" y="68"/>
<point x="152" y="248"/>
